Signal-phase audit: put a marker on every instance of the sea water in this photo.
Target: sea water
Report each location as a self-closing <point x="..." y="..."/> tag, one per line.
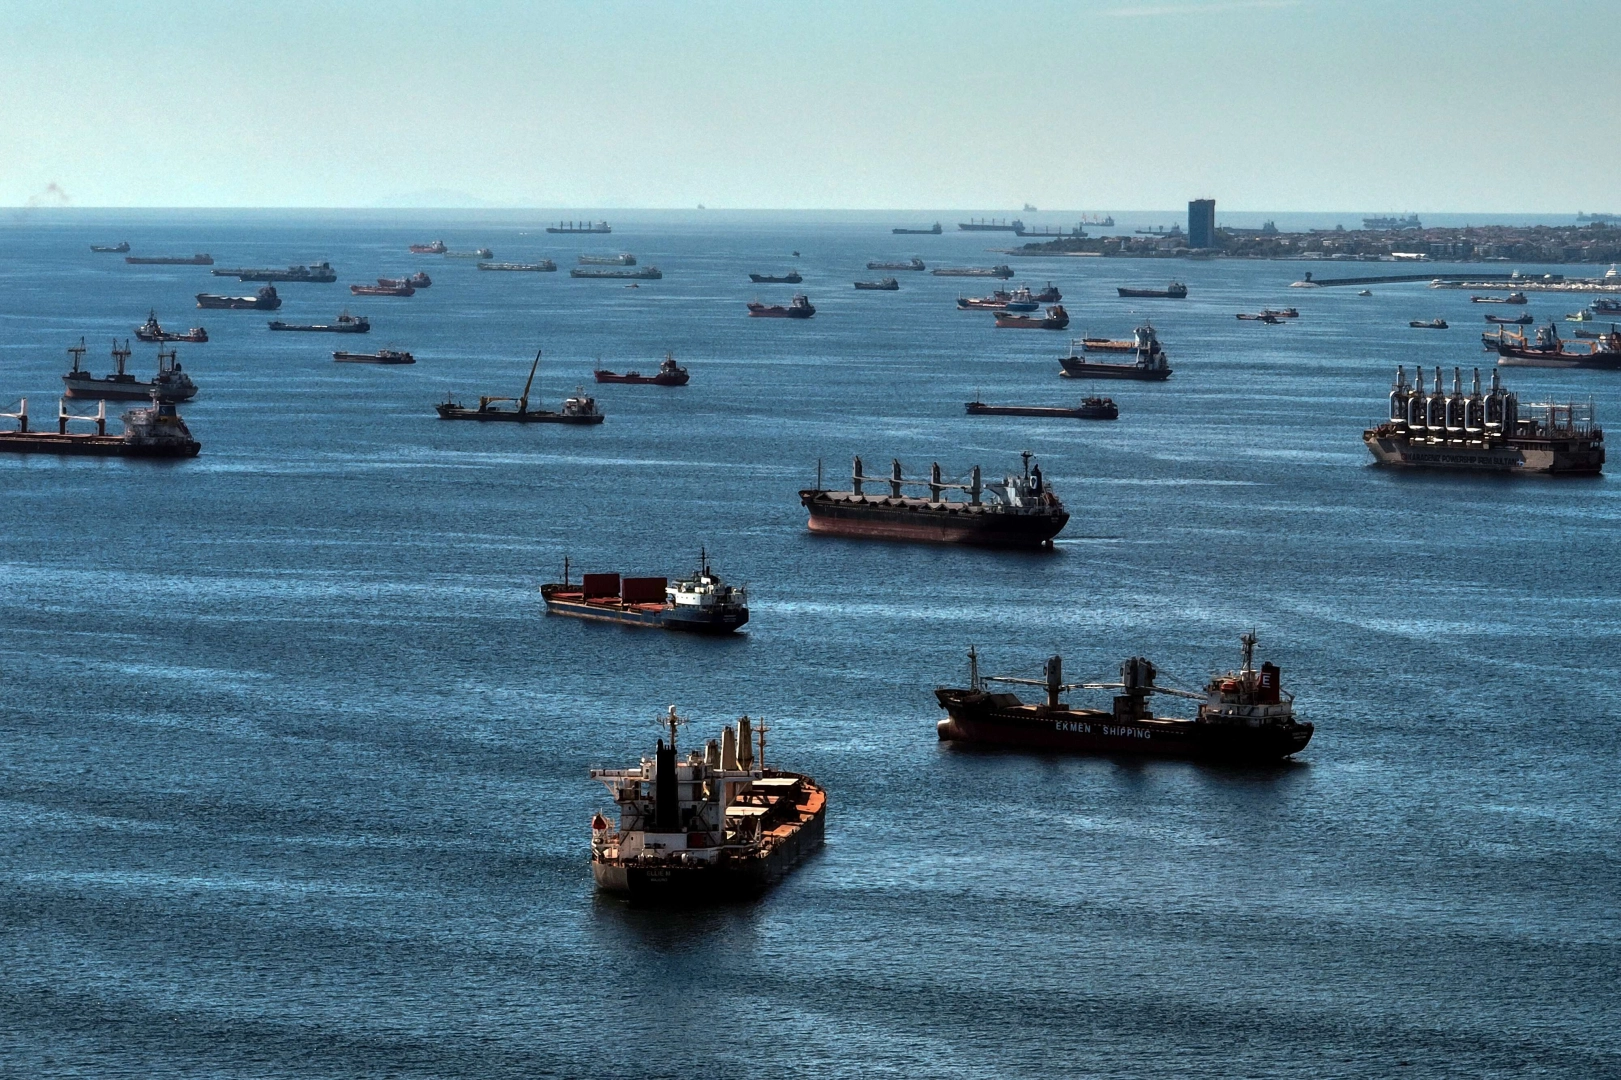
<point x="293" y="768"/>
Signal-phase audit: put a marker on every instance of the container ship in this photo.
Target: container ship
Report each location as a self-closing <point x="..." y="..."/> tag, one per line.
<point x="1489" y="432"/>
<point x="701" y="603"/>
<point x="170" y="260"/>
<point x="1149" y="362"/>
<point x="265" y="299"/>
<point x="716" y="826"/>
<point x="1022" y="511"/>
<point x="156" y="431"/>
<point x="1243" y="715"/>
<point x="320" y="273"/>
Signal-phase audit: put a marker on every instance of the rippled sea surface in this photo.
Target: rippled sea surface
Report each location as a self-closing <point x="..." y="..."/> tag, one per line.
<point x="293" y="766"/>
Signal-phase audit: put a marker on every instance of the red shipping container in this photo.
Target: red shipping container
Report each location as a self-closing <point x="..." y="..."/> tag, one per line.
<point x="600" y="585"/>
<point x="644" y="590"/>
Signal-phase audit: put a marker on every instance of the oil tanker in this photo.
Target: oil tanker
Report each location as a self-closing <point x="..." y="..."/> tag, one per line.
<point x="715" y="826"/>
<point x="1490" y="432"/>
<point x="1243" y="715"/>
<point x="1021" y="513"/>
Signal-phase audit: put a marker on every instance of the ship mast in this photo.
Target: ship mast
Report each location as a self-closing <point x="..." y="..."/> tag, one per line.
<point x="673" y="721"/>
<point x="523" y="401"/>
<point x="1248" y="640"/>
<point x="78" y="351"/>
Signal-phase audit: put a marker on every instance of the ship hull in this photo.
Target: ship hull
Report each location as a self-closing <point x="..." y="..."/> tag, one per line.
<point x="661" y="884"/>
<point x="1507" y="357"/>
<point x="1091" y="731"/>
<point x="1151" y="294"/>
<point x="652" y="616"/>
<point x="337" y="328"/>
<point x="1564" y="458"/>
<point x="456" y="412"/>
<point x="912" y="522"/>
<point x="45" y="442"/>
<point x="643" y="380"/>
<point x="1079" y="412"/>
<point x="1075" y="369"/>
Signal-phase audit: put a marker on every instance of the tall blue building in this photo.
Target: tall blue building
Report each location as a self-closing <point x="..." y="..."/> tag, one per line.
<point x="1202" y="223"/>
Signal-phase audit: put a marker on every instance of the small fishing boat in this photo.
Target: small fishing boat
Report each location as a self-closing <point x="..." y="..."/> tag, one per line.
<point x="1055" y="319"/>
<point x="381" y="356"/>
<point x="669" y="374"/>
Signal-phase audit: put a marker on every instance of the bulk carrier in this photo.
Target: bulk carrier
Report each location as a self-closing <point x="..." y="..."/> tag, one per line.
<point x="1022" y="511"/>
<point x="1489" y="432"/>
<point x="717" y="826"/>
<point x="1243" y="715"/>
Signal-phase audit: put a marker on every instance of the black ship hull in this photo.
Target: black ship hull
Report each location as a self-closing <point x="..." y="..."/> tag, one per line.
<point x="653" y="616"/>
<point x="972" y="717"/>
<point x="45" y="442"/>
<point x="335" y="328"/>
<point x="1107" y="411"/>
<point x="1560" y="457"/>
<point x="1075" y="368"/>
<point x="877" y="518"/>
<point x="512" y="416"/>
<point x="669" y="884"/>
<point x="1152" y="294"/>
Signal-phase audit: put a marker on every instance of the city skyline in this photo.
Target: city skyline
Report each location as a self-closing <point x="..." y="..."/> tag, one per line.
<point x="1267" y="105"/>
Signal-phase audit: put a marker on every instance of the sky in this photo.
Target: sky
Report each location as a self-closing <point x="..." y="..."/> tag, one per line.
<point x="1488" y="106"/>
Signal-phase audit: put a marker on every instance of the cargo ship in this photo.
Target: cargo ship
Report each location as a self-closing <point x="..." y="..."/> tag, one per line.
<point x="544" y="266"/>
<point x="1049" y="295"/>
<point x="1518" y="320"/>
<point x="933" y="230"/>
<point x="701" y="603"/>
<point x="1388" y="224"/>
<point x="1511" y="298"/>
<point x="476" y="253"/>
<point x="646" y="273"/>
<point x="1432" y="324"/>
<point x="319" y="273"/>
<point x="381" y="356"/>
<point x="170" y="260"/>
<point x="152" y="331"/>
<point x="1149" y="362"/>
<point x="792" y="277"/>
<point x="1022" y="511"/>
<point x="344" y="324"/>
<point x="1092" y="408"/>
<point x="991" y="225"/>
<point x="799" y="308"/>
<point x="170" y="384"/>
<point x="156" y="431"/>
<point x="1602" y="353"/>
<point x="997" y="301"/>
<point x="1489" y="432"/>
<point x="1001" y="270"/>
<point x="1174" y="291"/>
<point x="1056" y="318"/>
<point x="111" y="249"/>
<point x="579" y="227"/>
<point x="887" y="284"/>
<point x="626" y="259"/>
<point x="437" y="247"/>
<point x="580" y="409"/>
<point x="265" y="299"/>
<point x="398" y="289"/>
<point x="1243" y="715"/>
<point x="913" y="263"/>
<point x="718" y="826"/>
<point x="418" y="280"/>
<point x="669" y="374"/>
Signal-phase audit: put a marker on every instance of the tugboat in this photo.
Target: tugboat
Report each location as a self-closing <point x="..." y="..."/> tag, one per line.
<point x="1055" y="319"/>
<point x="394" y="288"/>
<point x="345" y="324"/>
<point x="1243" y="715"/>
<point x="263" y="300"/>
<point x="151" y="331"/>
<point x="437" y="247"/>
<point x="1150" y="363"/>
<point x="320" y="273"/>
<point x="1433" y="324"/>
<point x="669" y="374"/>
<point x="799" y="308"/>
<point x="111" y="249"/>
<point x="914" y="263"/>
<point x="1511" y="298"/>
<point x="1023" y="513"/>
<point x="381" y="356"/>
<point x="579" y="409"/>
<point x="702" y="603"/>
<point x="1174" y="291"/>
<point x="1602" y="353"/>
<point x="792" y="277"/>
<point x="544" y="266"/>
<point x="887" y="284"/>
<point x="1092" y="408"/>
<point x="1001" y="270"/>
<point x="719" y="826"/>
<point x="170" y="384"/>
<point x="1489" y="432"/>
<point x="155" y="431"/>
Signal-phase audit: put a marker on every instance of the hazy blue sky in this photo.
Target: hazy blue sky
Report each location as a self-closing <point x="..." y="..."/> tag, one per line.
<point x="1480" y="106"/>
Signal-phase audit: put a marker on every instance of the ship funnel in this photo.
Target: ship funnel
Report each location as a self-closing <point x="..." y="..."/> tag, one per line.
<point x="728" y="750"/>
<point x="666" y="796"/>
<point x="745" y="747"/>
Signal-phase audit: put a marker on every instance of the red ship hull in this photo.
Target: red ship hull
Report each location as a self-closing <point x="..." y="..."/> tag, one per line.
<point x="649" y="380"/>
<point x="914" y="520"/>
